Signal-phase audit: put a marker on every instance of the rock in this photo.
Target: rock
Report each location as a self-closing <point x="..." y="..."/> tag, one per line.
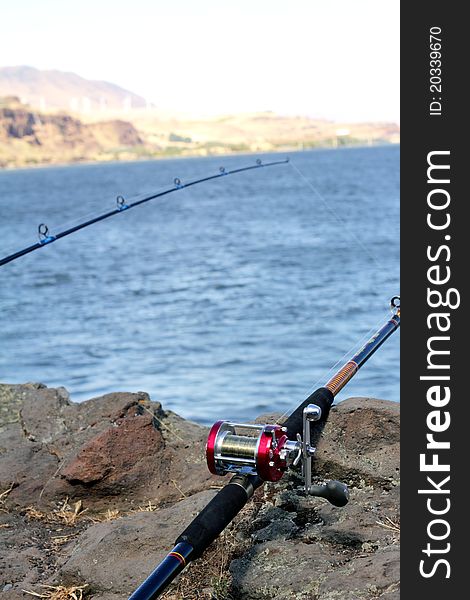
<point x="121" y="456"/>
<point x="282" y="570"/>
<point x="361" y="440"/>
<point x="374" y="576"/>
<point x="24" y="556"/>
<point x="120" y="445"/>
<point x="115" y="557"/>
<point x="22" y="459"/>
<point x="272" y="523"/>
<point x="27" y="135"/>
<point x="301" y="543"/>
<point x="111" y="455"/>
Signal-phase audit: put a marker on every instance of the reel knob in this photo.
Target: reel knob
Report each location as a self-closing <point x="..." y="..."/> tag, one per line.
<point x="335" y="492"/>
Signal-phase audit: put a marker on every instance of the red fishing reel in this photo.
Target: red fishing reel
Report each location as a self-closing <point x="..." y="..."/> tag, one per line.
<point x="247" y="449"/>
<point x="266" y="451"/>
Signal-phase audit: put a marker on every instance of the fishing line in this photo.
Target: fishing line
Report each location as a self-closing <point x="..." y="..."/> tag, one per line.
<point x="326" y="375"/>
<point x="327" y="205"/>
<point x="335" y="214"/>
<point x="366" y="336"/>
<point x="46" y="238"/>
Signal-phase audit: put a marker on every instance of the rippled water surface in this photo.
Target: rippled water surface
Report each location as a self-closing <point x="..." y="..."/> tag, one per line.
<point x="222" y="300"/>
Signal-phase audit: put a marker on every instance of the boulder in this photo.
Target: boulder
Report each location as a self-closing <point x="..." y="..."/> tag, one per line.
<point x="114" y="451"/>
<point x="361" y="440"/>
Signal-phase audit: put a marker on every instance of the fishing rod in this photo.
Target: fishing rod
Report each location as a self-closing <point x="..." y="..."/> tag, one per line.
<point x="255" y="454"/>
<point x="43" y="231"/>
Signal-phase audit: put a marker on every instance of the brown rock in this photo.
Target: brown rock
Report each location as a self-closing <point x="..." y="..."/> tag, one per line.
<point x="122" y="454"/>
<point x="361" y="440"/>
<point x="118" y="445"/>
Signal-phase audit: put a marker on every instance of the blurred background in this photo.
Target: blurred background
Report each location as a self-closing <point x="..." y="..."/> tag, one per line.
<point x="227" y="299"/>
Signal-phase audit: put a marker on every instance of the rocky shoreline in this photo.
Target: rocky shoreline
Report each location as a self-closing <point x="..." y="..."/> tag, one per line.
<point x="93" y="495"/>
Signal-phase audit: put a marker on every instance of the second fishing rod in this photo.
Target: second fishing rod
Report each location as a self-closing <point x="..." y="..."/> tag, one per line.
<point x="46" y="237"/>
<point x="255" y="454"/>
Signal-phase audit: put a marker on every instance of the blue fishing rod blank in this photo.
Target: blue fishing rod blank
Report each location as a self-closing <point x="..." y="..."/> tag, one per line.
<point x="43" y="231"/>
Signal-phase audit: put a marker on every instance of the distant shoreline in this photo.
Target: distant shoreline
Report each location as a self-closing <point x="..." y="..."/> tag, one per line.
<point x="287" y="151"/>
<point x="32" y="138"/>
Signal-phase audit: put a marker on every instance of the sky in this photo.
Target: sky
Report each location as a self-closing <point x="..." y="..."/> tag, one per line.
<point x="334" y="59"/>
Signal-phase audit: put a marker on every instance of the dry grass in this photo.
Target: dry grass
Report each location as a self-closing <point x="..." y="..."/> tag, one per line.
<point x="109" y="515"/>
<point x="69" y="515"/>
<point x="59" y="592"/>
<point x="149" y="507"/>
<point x="183" y="495"/>
<point x="36" y="515"/>
<point x="3" y="497"/>
<point x="65" y="514"/>
<point x="389" y="524"/>
<point x="208" y="577"/>
<point x="60" y="540"/>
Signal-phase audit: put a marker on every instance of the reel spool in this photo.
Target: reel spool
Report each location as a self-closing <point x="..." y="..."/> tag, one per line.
<point x="266" y="451"/>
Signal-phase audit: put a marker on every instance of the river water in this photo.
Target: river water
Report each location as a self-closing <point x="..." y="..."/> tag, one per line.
<point x="223" y="300"/>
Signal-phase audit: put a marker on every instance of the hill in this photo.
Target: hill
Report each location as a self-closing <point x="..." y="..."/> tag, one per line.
<point x="29" y="136"/>
<point x="52" y="90"/>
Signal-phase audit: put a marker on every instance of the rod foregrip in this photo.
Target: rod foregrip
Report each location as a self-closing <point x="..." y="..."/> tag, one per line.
<point x="323" y="398"/>
<point x="220" y="511"/>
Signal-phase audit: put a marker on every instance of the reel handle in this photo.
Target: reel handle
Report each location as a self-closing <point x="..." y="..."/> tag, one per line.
<point x="335" y="492"/>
